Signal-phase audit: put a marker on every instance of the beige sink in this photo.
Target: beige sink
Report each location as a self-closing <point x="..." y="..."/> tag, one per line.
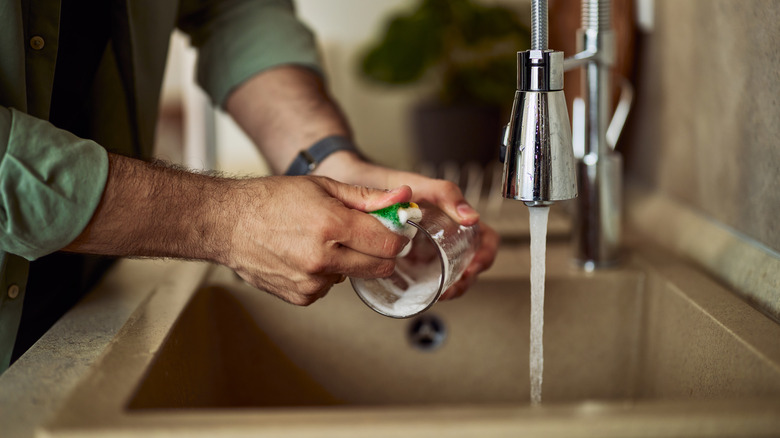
<point x="255" y="352"/>
<point x="653" y="348"/>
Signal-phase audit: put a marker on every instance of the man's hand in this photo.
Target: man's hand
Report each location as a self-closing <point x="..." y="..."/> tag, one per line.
<point x="297" y="236"/>
<point x="347" y="167"/>
<point x="291" y="236"/>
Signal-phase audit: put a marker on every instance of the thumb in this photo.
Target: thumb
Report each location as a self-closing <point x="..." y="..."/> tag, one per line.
<point x="450" y="199"/>
<point x="368" y="199"/>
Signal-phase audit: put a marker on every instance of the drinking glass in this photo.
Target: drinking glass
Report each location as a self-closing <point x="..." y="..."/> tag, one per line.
<point x="440" y="252"/>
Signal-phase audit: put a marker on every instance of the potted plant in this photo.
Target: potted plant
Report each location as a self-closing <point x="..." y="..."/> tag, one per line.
<point x="468" y="50"/>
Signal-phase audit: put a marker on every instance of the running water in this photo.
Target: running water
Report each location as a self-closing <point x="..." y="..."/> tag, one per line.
<point x="538" y="218"/>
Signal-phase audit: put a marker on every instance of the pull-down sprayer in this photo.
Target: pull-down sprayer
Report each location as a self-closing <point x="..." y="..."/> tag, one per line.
<point x="539" y="161"/>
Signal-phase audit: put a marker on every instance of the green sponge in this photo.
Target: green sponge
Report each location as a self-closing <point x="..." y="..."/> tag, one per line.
<point x="391" y="216"/>
<point x="395" y="218"/>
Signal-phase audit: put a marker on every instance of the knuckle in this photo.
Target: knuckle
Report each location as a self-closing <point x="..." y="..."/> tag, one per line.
<point x="320" y="182"/>
<point x="315" y="264"/>
<point x="363" y="195"/>
<point x="298" y="300"/>
<point x="362" y="192"/>
<point x="316" y="286"/>
<point x="385" y="268"/>
<point x="331" y="225"/>
<point x="310" y="292"/>
<point x="392" y="244"/>
<point x="333" y="231"/>
<point x="307" y="300"/>
<point x="450" y="188"/>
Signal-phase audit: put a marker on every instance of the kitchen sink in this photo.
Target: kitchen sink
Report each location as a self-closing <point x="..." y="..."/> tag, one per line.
<point x="654" y="347"/>
<point x="613" y="335"/>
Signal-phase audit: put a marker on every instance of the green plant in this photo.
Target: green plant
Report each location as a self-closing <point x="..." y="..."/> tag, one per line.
<point x="470" y="47"/>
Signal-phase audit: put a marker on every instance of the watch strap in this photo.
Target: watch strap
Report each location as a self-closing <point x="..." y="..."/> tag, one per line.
<point x="308" y="159"/>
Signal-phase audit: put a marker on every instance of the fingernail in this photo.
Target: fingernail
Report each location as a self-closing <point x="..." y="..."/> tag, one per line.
<point x="465" y="210"/>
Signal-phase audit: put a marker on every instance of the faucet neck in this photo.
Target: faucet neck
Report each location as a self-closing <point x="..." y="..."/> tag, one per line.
<point x="597" y="225"/>
<point x="538" y="24"/>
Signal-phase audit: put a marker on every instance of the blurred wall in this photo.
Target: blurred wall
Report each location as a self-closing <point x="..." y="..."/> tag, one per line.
<point x="378" y="115"/>
<point x="705" y="129"/>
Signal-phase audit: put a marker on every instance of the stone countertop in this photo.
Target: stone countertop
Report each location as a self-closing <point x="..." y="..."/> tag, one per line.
<point x="37" y="386"/>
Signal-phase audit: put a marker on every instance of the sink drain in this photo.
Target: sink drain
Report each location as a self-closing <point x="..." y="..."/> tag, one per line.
<point x="427" y="332"/>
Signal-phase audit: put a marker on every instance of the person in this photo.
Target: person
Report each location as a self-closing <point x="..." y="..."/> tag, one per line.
<point x="79" y="87"/>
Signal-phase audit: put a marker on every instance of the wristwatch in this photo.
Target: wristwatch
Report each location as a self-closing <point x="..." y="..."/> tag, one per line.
<point x="308" y="159"/>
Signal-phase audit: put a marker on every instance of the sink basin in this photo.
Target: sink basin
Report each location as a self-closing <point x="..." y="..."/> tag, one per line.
<point x="652" y="348"/>
<point x="615" y="335"/>
<point x="232" y="347"/>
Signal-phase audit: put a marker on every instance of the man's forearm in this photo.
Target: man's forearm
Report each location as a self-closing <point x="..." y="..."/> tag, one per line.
<point x="291" y="236"/>
<point x="151" y="210"/>
<point x="284" y="110"/>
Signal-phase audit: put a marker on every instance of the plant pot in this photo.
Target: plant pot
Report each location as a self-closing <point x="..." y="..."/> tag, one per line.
<point x="456" y="133"/>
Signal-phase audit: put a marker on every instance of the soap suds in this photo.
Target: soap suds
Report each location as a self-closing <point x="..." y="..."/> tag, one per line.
<point x="411" y="288"/>
<point x="417" y="279"/>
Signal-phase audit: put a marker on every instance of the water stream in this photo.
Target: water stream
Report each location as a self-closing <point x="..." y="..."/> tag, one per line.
<point x="538" y="219"/>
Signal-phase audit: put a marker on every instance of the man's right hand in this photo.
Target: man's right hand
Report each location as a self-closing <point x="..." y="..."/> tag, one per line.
<point x="297" y="236"/>
<point x="291" y="236"/>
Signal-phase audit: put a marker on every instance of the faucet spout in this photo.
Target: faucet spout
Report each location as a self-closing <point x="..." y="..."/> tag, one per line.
<point x="539" y="159"/>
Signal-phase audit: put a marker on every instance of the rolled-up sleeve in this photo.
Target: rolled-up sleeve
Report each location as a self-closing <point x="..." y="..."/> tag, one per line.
<point x="238" y="39"/>
<point x="51" y="182"/>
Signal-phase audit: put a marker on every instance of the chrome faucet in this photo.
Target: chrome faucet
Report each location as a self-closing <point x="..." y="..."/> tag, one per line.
<point x="540" y="157"/>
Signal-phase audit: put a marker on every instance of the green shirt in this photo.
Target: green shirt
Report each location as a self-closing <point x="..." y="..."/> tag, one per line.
<point x="50" y="180"/>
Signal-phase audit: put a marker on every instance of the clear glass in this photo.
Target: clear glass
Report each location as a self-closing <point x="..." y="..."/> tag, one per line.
<point x="440" y="252"/>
